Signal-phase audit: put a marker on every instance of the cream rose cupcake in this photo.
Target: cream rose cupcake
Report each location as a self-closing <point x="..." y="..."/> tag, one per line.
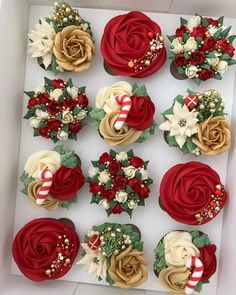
<point x="185" y="261"/>
<point x="124" y="114"/>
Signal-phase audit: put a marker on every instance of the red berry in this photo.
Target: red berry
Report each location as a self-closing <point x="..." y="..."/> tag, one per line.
<point x="150" y="35"/>
<point x="218" y="192"/>
<point x="59" y="249"/>
<point x="212" y="204"/>
<point x="67" y="252"/>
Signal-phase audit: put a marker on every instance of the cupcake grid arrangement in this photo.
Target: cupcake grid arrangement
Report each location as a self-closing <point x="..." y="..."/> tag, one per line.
<point x="124" y="113"/>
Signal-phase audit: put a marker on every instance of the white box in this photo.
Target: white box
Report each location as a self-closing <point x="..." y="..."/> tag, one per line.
<point x="13" y="28"/>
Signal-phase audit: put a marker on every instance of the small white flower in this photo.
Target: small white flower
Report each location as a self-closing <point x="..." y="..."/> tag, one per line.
<point x="34" y="122"/>
<point x="144" y="173"/>
<point x="62" y="135"/>
<point x="55" y="94"/>
<point x="130" y="171"/>
<point x="105" y="204"/>
<point x="212" y="30"/>
<point x="40" y="89"/>
<point x="92" y="171"/>
<point x="67" y="117"/>
<point x="176" y="46"/>
<point x="73" y="91"/>
<point x="104" y="177"/>
<point x="181" y="124"/>
<point x="222" y="66"/>
<point x="193" y="22"/>
<point x="191" y="72"/>
<point x="81" y="115"/>
<point x="132" y="204"/>
<point x="42" y="42"/>
<point x="213" y="61"/>
<point x="121" y="197"/>
<point x="41" y="114"/>
<point x="121" y="156"/>
<point x="190" y="45"/>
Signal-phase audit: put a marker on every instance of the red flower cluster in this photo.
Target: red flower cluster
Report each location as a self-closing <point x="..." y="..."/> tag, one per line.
<point x="135" y="186"/>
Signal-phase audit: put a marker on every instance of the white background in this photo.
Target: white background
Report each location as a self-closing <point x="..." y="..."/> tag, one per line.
<point x="162" y="88"/>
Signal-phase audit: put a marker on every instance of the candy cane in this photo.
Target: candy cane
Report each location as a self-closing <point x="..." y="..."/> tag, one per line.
<point x="47" y="177"/>
<point x="197" y="265"/>
<point x="125" y="103"/>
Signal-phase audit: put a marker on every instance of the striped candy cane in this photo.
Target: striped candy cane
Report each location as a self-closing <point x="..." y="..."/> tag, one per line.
<point x="197" y="265"/>
<point x="125" y="103"/>
<point x="47" y="177"/>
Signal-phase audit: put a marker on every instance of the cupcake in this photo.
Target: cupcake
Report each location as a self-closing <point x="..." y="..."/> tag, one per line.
<point x="114" y="253"/>
<point x="132" y="45"/>
<point x="119" y="182"/>
<point x="57" y="110"/>
<point x="201" y="49"/>
<point x="185" y="261"/>
<point x="124" y="114"/>
<point x="52" y="179"/>
<point x="196" y="123"/>
<point x="192" y="193"/>
<point x="45" y="248"/>
<point x="63" y="41"/>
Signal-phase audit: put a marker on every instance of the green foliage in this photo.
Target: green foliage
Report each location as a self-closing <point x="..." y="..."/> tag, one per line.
<point x="68" y="158"/>
<point x="26" y="180"/>
<point x="160" y="262"/>
<point x="30" y="113"/>
<point x="183" y="21"/>
<point x="139" y="90"/>
<point x="66" y="204"/>
<point x="199" y="239"/>
<point x="199" y="286"/>
<point x="29" y="93"/>
<point x="147" y="132"/>
<point x="171" y="38"/>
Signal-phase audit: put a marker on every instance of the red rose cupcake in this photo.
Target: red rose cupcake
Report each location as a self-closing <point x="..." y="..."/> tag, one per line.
<point x="119" y="182"/>
<point x="45" y="248"/>
<point x="132" y="45"/>
<point x="52" y="178"/>
<point x="185" y="261"/>
<point x="192" y="193"/>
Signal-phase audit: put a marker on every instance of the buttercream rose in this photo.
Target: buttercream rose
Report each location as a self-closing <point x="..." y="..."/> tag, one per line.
<point x="73" y="49"/>
<point x="179" y="248"/>
<point x="208" y="258"/>
<point x="191" y="71"/>
<point x="33" y="189"/>
<point x="38" y="161"/>
<point x="35" y="248"/>
<point x="130" y="171"/>
<point x="125" y="136"/>
<point x="213" y="136"/>
<point x="127" y="37"/>
<point x="66" y="182"/>
<point x="105" y="98"/>
<point x="176" y="46"/>
<point x="205" y="74"/>
<point x="186" y="189"/>
<point x="141" y="112"/>
<point x="128" y="269"/>
<point x="226" y="47"/>
<point x="190" y="45"/>
<point x="174" y="279"/>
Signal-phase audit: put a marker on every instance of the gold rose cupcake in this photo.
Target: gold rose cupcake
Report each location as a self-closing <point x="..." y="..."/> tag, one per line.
<point x="184" y="261"/>
<point x="196" y="124"/>
<point x="124" y="114"/>
<point x="114" y="253"/>
<point x="63" y="41"/>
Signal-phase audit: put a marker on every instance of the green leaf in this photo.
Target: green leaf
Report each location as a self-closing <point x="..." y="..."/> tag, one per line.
<point x="194" y="233"/>
<point x="113" y="154"/>
<point x="217" y="76"/>
<point x="172" y="141"/>
<point x="231" y="38"/>
<point x="145" y="164"/>
<point x="66" y="204"/>
<point x="186" y="55"/>
<point x="128" y="189"/>
<point x="147" y="132"/>
<point x="181" y="71"/>
<point x="199" y="286"/>
<point x="36" y="132"/>
<point x="149" y="181"/>
<point x="54" y="65"/>
<point x="42" y="107"/>
<point x="167" y="112"/>
<point x="138" y="245"/>
<point x="171" y="55"/>
<point x="201" y="241"/>
<point x="58" y="116"/>
<point x="76" y="111"/>
<point x="139" y="90"/>
<point x="210" y="55"/>
<point x="130" y="153"/>
<point x="225" y="32"/>
<point x="61" y="99"/>
<point x="171" y="38"/>
<point x="196" y="81"/>
<point x="204" y="22"/>
<point x="82" y="89"/>
<point x="26" y="179"/>
<point x="24" y="191"/>
<point x="185" y="37"/>
<point x="68" y="158"/>
<point x="47" y="81"/>
<point x="125" y="163"/>
<point x="205" y="66"/>
<point x="109" y="280"/>
<point x="108" y="185"/>
<point x="221" y="20"/>
<point x="217" y="34"/>
<point x="185" y="149"/>
<point x="97" y="114"/>
<point x="30" y="113"/>
<point x="183" y="21"/>
<point x="70" y="83"/>
<point x="191" y="92"/>
<point x="231" y="62"/>
<point x="180" y="99"/>
<point x="225" y="56"/>
<point x="29" y="93"/>
<point x="190" y="145"/>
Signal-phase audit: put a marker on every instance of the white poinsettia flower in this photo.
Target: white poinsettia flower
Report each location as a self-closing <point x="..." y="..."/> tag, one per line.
<point x="42" y="42"/>
<point x="94" y="262"/>
<point x="181" y="124"/>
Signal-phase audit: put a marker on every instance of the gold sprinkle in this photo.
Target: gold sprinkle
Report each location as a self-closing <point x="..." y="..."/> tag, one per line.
<point x="131" y="64"/>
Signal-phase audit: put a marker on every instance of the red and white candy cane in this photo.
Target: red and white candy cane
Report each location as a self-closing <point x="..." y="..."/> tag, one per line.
<point x="47" y="177"/>
<point x="198" y="267"/>
<point x="125" y="102"/>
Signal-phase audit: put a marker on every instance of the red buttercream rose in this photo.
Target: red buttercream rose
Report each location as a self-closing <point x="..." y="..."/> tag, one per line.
<point x="43" y="98"/>
<point x="226" y="47"/>
<point x="136" y="162"/>
<point x="44" y="132"/>
<point x="105" y="157"/>
<point x="70" y="103"/>
<point x="199" y="32"/>
<point x="212" y="22"/>
<point x="109" y="194"/>
<point x="186" y="190"/>
<point x="144" y="191"/>
<point x="127" y="37"/>
<point x="57" y="83"/>
<point x="205" y="74"/>
<point x="75" y="128"/>
<point x="53" y="125"/>
<point x="135" y="185"/>
<point x="35" y="248"/>
<point x="198" y="57"/>
<point x="117" y="209"/>
<point x="180" y="60"/>
<point x="208" y="258"/>
<point x="209" y="44"/>
<point x="54" y="107"/>
<point x="95" y="188"/>
<point x="32" y="103"/>
<point x="82" y="100"/>
<point x="180" y="31"/>
<point x="119" y="182"/>
<point x="66" y="182"/>
<point x="141" y="113"/>
<point x="114" y="167"/>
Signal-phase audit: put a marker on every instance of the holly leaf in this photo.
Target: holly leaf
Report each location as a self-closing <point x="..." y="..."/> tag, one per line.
<point x="97" y="114"/>
<point x="231" y="38"/>
<point x="183" y="21"/>
<point x="196" y="80"/>
<point x="29" y="93"/>
<point x="113" y="154"/>
<point x="138" y="245"/>
<point x="130" y="153"/>
<point x="225" y="56"/>
<point x="217" y="34"/>
<point x="231" y="62"/>
<point x="205" y="66"/>
<point x="139" y="90"/>
<point x="221" y="20"/>
<point x="67" y="203"/>
<point x="171" y="38"/>
<point x="70" y="83"/>
<point x="30" y="113"/>
<point x="167" y="112"/>
<point x="225" y="32"/>
<point x="201" y="241"/>
<point x="26" y="179"/>
<point x="58" y="116"/>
